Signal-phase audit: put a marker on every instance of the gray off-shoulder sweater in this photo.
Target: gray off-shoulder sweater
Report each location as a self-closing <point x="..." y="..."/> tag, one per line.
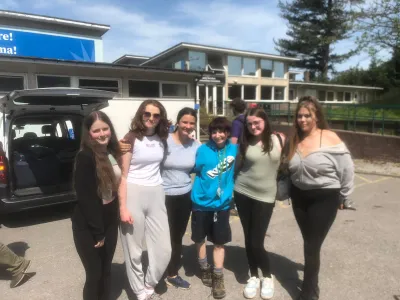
<point x="329" y="167"/>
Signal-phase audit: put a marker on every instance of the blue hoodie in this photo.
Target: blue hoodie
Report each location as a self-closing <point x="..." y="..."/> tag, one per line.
<point x="210" y="176"/>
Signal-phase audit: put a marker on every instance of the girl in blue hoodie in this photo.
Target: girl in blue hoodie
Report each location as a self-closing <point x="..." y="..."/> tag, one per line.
<point x="211" y="197"/>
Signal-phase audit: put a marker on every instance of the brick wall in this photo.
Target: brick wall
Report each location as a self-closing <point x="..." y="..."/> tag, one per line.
<point x="365" y="145"/>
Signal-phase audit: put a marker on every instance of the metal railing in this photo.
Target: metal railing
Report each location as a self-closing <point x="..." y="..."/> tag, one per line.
<point x="372" y="118"/>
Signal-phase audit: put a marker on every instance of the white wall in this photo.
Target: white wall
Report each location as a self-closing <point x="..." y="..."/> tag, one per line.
<point x="121" y="111"/>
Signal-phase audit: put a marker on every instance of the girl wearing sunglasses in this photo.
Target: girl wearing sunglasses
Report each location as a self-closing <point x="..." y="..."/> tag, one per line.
<point x="142" y="199"/>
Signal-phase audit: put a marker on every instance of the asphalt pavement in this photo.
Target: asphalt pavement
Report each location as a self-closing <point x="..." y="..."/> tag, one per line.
<point x="360" y="257"/>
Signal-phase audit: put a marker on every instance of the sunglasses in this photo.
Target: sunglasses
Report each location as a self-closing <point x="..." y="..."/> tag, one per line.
<point x="147" y="115"/>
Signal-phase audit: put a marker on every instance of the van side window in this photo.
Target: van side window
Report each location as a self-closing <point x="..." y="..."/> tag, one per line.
<point x="71" y="132"/>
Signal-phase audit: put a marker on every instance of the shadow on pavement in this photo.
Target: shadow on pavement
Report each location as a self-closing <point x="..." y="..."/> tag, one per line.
<point x="37" y="216"/>
<point x="120" y="282"/>
<point x="284" y="269"/>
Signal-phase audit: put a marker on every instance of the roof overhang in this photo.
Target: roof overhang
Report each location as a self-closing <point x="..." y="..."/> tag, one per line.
<point x="20" y="59"/>
<point x="316" y="84"/>
<point x="127" y="56"/>
<point x="198" y="47"/>
<point x="15" y="18"/>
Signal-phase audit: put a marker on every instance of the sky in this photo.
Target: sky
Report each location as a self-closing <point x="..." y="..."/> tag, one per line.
<point x="147" y="27"/>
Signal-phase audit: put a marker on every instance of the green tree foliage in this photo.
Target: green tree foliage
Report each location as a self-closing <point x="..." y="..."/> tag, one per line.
<point x="314" y="27"/>
<point x="379" y="23"/>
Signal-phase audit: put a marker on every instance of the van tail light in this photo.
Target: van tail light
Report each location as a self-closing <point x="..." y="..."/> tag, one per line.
<point x="3" y="171"/>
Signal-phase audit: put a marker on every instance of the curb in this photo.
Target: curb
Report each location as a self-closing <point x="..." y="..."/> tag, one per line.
<point x="377" y="173"/>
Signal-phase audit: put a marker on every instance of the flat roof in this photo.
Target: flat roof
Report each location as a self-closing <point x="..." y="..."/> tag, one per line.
<point x="128" y="56"/>
<point x="21" y="16"/>
<point x="9" y="58"/>
<point x="334" y="85"/>
<point x="192" y="46"/>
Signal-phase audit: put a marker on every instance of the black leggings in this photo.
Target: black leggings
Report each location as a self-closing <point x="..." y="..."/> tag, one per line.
<point x="315" y="211"/>
<point x="255" y="217"/>
<point x="178" y="210"/>
<point x="97" y="261"/>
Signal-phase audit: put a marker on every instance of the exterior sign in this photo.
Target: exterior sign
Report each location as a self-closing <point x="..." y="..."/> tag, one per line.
<point x="212" y="79"/>
<point x="35" y="44"/>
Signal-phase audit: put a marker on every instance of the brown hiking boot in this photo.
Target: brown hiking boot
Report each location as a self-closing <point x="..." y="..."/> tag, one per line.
<point x="206" y="276"/>
<point x="218" y="286"/>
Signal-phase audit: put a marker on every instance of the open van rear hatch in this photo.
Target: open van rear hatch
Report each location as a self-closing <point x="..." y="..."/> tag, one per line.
<point x="55" y="99"/>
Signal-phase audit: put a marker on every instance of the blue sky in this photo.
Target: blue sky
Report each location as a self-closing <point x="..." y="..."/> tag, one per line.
<point x="146" y="27"/>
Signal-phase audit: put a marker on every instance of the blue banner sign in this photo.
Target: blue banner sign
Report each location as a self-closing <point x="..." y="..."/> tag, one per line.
<point x="35" y="44"/>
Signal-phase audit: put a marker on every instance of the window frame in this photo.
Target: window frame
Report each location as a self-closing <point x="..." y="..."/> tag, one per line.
<point x="51" y="75"/>
<point x="134" y="79"/>
<point x="119" y="80"/>
<point x="12" y="74"/>
<point x="174" y="82"/>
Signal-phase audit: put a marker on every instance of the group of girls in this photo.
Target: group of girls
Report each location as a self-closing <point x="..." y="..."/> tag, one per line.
<point x="143" y="185"/>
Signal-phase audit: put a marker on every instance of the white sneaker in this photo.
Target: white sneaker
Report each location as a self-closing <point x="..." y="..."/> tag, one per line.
<point x="251" y="288"/>
<point x="267" y="287"/>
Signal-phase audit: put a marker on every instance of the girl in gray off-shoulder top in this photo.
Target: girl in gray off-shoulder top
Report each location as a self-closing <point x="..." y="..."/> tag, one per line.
<point x="322" y="174"/>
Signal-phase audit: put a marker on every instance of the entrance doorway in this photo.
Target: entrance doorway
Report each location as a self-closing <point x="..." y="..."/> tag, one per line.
<point x="211" y="98"/>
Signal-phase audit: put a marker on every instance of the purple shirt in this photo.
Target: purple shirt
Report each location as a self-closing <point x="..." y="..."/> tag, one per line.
<point x="237" y="126"/>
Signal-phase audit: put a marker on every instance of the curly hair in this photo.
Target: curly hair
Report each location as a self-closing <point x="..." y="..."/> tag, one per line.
<point x="104" y="170"/>
<point x="138" y="127"/>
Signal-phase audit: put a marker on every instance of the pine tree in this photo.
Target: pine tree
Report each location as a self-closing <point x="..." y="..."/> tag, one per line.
<point x="314" y="27"/>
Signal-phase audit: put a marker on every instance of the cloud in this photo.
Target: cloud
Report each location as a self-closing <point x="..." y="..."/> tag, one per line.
<point x="223" y="23"/>
<point x="9" y="4"/>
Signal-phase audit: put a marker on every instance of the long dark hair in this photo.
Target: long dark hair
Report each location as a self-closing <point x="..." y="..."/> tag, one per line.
<point x="104" y="170"/>
<point x="265" y="135"/>
<point x="312" y="105"/>
<point x="139" y="129"/>
<point x="183" y="112"/>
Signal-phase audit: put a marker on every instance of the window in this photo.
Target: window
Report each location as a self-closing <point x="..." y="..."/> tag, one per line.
<point x="234" y="65"/>
<point x="179" y="65"/>
<point x="321" y="95"/>
<point x="220" y="100"/>
<point x="249" y="66"/>
<point x="234" y="91"/>
<point x="145" y="89"/>
<point x="291" y="94"/>
<point x="249" y="92"/>
<point x="340" y="96"/>
<point x="347" y="96"/>
<point x="197" y="61"/>
<point x="174" y="90"/>
<point x="11" y="83"/>
<point x="44" y="81"/>
<point x="330" y="96"/>
<point x="266" y="93"/>
<point x="215" y="61"/>
<point x="279" y="69"/>
<point x="279" y="93"/>
<point x="100" y="84"/>
<point x="266" y="68"/>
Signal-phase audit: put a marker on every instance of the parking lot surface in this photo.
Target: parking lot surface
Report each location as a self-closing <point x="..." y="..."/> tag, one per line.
<point x="360" y="257"/>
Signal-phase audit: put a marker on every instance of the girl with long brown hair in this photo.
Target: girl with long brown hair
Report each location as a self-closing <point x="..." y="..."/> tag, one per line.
<point x="95" y="219"/>
<point x="254" y="193"/>
<point x="142" y="199"/>
<point x="322" y="173"/>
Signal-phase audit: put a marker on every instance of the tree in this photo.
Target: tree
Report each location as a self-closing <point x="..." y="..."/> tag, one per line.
<point x="379" y="24"/>
<point x="314" y="27"/>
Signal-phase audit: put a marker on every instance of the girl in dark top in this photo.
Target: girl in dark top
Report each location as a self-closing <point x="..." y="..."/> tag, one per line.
<point x="95" y="219"/>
